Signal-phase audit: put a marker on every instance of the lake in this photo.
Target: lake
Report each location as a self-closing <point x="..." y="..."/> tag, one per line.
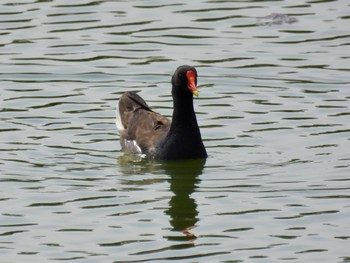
<point x="273" y="109"/>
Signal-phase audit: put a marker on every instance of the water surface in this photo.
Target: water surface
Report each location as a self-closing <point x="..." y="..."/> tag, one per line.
<point x="273" y="109"/>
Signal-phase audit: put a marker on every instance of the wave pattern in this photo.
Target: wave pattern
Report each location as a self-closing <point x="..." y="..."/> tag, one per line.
<point x="273" y="109"/>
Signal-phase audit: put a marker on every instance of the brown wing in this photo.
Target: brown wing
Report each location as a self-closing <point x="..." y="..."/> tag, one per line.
<point x="130" y="102"/>
<point x="144" y="128"/>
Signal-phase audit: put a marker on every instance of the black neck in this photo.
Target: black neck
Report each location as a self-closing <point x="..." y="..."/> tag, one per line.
<point x="183" y="140"/>
<point x="184" y="115"/>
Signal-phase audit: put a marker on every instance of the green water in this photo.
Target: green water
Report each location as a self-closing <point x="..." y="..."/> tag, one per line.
<point x="273" y="109"/>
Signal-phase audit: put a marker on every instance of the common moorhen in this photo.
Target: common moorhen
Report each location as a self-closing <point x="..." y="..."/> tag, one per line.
<point x="143" y="131"/>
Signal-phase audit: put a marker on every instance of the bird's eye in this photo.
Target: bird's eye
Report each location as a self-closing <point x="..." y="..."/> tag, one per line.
<point x="180" y="75"/>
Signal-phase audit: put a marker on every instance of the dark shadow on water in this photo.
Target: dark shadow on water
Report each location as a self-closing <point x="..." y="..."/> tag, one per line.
<point x="182" y="207"/>
<point x="183" y="180"/>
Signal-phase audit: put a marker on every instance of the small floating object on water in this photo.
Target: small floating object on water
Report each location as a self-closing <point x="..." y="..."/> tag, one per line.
<point x="276" y="19"/>
<point x="147" y="133"/>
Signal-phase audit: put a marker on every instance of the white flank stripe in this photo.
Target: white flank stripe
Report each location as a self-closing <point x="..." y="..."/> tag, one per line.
<point x="118" y="120"/>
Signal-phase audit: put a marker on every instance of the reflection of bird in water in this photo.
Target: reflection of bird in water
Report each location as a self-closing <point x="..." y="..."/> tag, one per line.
<point x="182" y="207"/>
<point x="183" y="179"/>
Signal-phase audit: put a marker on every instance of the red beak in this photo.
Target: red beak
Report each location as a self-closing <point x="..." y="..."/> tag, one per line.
<point x="191" y="80"/>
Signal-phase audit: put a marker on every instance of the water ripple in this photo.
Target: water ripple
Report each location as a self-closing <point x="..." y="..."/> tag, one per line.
<point x="273" y="111"/>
